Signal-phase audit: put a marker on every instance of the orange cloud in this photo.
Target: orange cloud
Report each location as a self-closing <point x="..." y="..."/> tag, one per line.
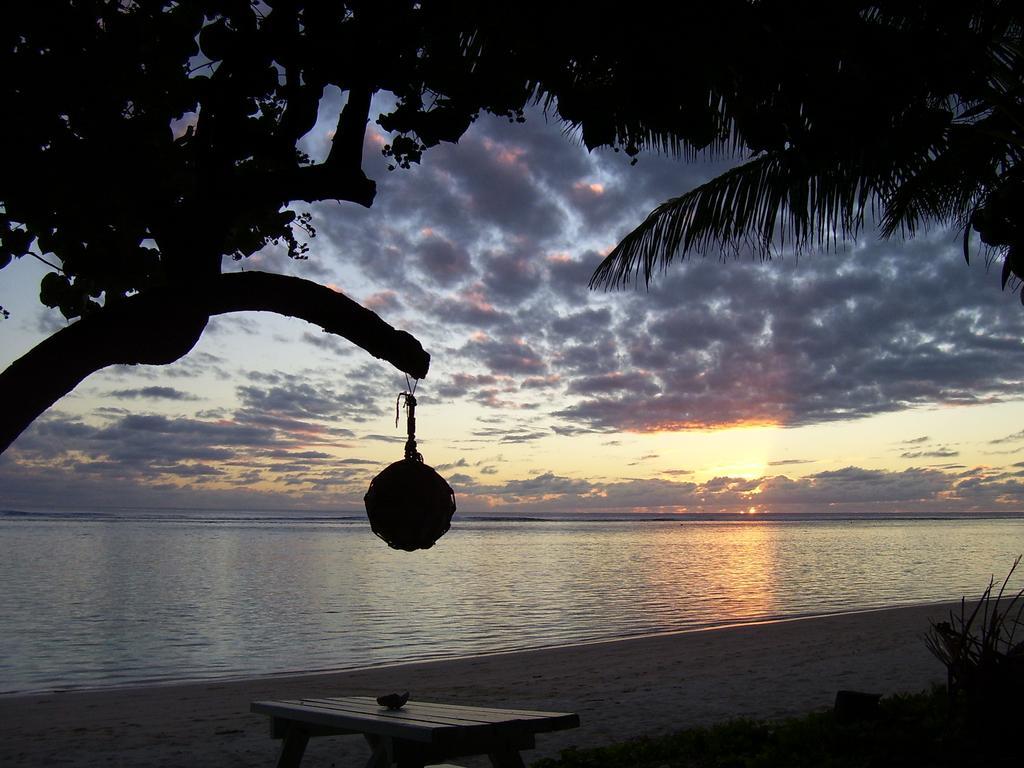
<point x="505" y="155"/>
<point x="560" y="257"/>
<point x="382" y="300"/>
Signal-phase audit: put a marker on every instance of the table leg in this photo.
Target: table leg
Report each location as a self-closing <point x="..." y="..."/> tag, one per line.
<point x="380" y="757"/>
<point x="506" y="758"/>
<point x="293" y="748"/>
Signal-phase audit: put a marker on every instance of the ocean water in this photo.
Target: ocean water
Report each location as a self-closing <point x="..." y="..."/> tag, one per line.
<point x="114" y="599"/>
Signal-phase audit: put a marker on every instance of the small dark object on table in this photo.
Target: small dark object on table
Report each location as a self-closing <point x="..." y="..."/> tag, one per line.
<point x="393" y="700"/>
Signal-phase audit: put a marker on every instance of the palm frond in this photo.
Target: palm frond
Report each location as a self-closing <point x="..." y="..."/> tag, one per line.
<point x="923" y="171"/>
<point x="943" y="184"/>
<point x="767" y="202"/>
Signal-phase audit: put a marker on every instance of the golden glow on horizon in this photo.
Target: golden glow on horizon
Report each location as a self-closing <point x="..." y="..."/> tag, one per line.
<point x="965" y="442"/>
<point x="692" y="425"/>
<point x="748" y="470"/>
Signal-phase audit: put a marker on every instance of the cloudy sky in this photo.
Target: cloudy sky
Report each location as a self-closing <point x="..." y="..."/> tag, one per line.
<point x="886" y="377"/>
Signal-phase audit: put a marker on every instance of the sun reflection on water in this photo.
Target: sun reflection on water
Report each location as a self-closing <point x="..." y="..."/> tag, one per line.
<point x="112" y="601"/>
<point x="727" y="570"/>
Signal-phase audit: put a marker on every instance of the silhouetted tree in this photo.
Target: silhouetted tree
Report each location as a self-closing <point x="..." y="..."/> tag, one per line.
<point x="912" y="112"/>
<point x="146" y="141"/>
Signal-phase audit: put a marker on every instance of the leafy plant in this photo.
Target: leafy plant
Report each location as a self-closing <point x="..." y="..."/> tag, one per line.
<point x="983" y="655"/>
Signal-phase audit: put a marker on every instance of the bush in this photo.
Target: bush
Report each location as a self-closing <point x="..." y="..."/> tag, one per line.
<point x="911" y="731"/>
<point x="983" y="656"/>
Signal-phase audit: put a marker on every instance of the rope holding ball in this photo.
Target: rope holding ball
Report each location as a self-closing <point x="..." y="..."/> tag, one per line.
<point x="410" y="506"/>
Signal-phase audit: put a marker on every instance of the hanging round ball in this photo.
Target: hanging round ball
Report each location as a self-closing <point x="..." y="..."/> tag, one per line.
<point x="410" y="506"/>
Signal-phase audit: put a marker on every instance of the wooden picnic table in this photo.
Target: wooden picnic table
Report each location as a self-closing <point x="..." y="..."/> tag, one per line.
<point x="420" y="733"/>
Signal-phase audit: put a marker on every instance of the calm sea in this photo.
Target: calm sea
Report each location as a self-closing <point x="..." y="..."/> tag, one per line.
<point x="101" y="600"/>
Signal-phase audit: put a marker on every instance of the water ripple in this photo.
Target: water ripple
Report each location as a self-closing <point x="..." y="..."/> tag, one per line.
<point x="101" y="601"/>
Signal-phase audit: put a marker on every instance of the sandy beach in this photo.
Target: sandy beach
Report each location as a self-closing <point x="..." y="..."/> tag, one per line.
<point x="621" y="689"/>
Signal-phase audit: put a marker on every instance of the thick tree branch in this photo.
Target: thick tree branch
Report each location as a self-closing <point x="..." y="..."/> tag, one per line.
<point x="159" y="327"/>
<point x="340" y="176"/>
<point x="347" y="144"/>
<point x="317" y="304"/>
<point x="311" y="184"/>
<point x="155" y="329"/>
<point x="300" y="115"/>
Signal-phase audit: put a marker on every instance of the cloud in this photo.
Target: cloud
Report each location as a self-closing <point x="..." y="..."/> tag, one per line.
<point x="328" y="342"/>
<point x="462" y="384"/>
<point x="569" y="274"/>
<point x="510" y="277"/>
<point x="279" y="446"/>
<point x="143" y="446"/>
<point x="544" y="485"/>
<point x="442" y="260"/>
<point x="485" y="252"/>
<point x="510" y="434"/>
<point x="383" y="301"/>
<point x="599" y="355"/>
<point x="939" y="453"/>
<point x="452" y="465"/>
<point x="507" y="227"/>
<point x="634" y="382"/>
<point x="156" y="460"/>
<point x="496" y="178"/>
<point x="581" y="325"/>
<point x="310" y="396"/>
<point x="848" y="490"/>
<point x="540" y="382"/>
<point x="509" y="356"/>
<point x="470" y="308"/>
<point x="153" y="393"/>
<point x="792" y="345"/>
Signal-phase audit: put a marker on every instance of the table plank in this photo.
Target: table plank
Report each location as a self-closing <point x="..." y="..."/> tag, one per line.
<point x="535" y="721"/>
<point x="296" y="711"/>
<point x="364" y="715"/>
<point x="418" y="711"/>
<point x="485" y="714"/>
<point x="451" y="728"/>
<point x="403" y="725"/>
<point x="410" y="713"/>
